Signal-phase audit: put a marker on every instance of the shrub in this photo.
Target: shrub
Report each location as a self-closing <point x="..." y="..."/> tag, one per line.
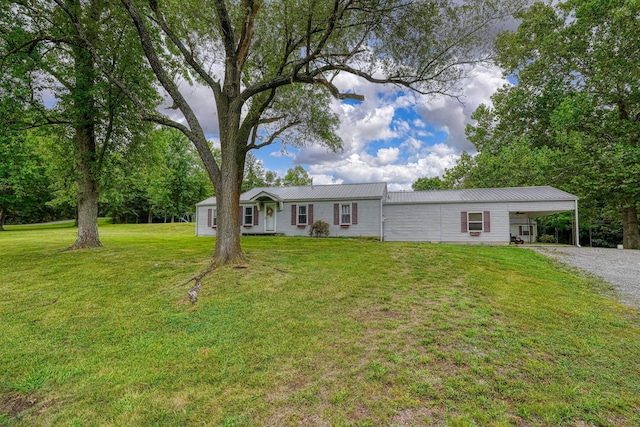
<point x="546" y="238"/>
<point x="319" y="229"/>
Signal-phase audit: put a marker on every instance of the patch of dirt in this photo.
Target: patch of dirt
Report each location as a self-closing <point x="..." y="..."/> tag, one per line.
<point x="418" y="416"/>
<point x="14" y="404"/>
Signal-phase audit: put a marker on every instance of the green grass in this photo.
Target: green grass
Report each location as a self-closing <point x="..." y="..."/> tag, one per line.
<point x="313" y="332"/>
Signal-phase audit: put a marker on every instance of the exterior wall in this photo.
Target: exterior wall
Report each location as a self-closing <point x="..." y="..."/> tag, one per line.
<point x="412" y="223"/>
<point x="515" y="231"/>
<point x="499" y="233"/>
<point x="368" y="220"/>
<point x="441" y="223"/>
<point x="202" y="228"/>
<point x="403" y="222"/>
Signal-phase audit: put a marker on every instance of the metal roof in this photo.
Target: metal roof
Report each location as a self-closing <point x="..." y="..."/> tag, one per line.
<point x="318" y="192"/>
<point x="378" y="191"/>
<point x="315" y="192"/>
<point x="509" y="194"/>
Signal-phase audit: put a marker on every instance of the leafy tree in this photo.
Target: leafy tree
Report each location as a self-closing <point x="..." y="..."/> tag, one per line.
<point x="45" y="50"/>
<point x="255" y="175"/>
<point x="297" y="176"/>
<point x="271" y="69"/>
<point x="179" y="181"/>
<point x="578" y="61"/>
<point x="428" y="183"/>
<point x="23" y="184"/>
<point x="573" y="118"/>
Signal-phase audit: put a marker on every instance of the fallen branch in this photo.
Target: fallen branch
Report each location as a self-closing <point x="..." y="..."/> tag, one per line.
<point x="195" y="290"/>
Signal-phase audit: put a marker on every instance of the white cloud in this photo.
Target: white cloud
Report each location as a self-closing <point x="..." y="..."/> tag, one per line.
<point x="387" y="155"/>
<point x="356" y="168"/>
<point x="452" y="115"/>
<point x="201" y="101"/>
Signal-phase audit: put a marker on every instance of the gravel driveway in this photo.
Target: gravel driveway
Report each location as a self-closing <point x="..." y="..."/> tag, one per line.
<point x="621" y="268"/>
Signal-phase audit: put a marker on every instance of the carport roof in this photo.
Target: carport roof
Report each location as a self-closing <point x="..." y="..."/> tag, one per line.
<point x="475" y="195"/>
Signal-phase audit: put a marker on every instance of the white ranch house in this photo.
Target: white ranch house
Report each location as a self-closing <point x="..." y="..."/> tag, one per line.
<point x="485" y="216"/>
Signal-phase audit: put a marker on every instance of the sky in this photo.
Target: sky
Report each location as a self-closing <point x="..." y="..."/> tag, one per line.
<point x="393" y="136"/>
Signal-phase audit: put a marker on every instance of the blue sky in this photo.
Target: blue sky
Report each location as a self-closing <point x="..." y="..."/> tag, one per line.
<point x="392" y="136"/>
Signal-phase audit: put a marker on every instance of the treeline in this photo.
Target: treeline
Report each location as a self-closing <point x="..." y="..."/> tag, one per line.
<point x="571" y="119"/>
<point x="157" y="178"/>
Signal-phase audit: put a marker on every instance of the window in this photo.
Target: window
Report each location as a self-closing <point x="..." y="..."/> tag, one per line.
<point x="302" y="215"/>
<point x="526" y="231"/>
<point x="248" y="215"/>
<point x="475" y="221"/>
<point x="345" y="214"/>
<point x="212" y="217"/>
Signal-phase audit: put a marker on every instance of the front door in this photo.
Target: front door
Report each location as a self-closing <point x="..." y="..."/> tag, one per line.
<point x="270" y="217"/>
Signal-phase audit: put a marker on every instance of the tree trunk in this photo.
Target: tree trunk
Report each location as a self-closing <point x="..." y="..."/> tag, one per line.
<point x="233" y="151"/>
<point x="228" y="248"/>
<point x="87" y="192"/>
<point x="3" y="215"/>
<point x="85" y="150"/>
<point x="630" y="232"/>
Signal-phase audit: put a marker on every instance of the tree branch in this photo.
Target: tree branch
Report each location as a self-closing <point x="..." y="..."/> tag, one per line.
<point x="228" y="38"/>
<point x="273" y="137"/>
<point x="247" y="32"/>
<point x="186" y="53"/>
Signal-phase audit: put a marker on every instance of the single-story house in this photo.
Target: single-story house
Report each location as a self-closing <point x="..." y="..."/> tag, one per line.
<point x="457" y="216"/>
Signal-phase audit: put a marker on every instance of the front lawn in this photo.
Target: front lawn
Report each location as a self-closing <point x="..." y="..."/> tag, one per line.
<point x="310" y="332"/>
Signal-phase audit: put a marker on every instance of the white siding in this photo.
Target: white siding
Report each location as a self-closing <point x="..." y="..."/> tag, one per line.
<point x="499" y="223"/>
<point x="368" y="219"/>
<point x="441" y="223"/>
<point x="407" y="223"/>
<point x="202" y="228"/>
<point x="515" y="230"/>
<point x="559" y="206"/>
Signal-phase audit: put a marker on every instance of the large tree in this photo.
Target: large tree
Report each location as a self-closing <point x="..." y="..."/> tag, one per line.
<point x="41" y="47"/>
<point x="271" y="68"/>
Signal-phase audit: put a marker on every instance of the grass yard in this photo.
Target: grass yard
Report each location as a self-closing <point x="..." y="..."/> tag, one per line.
<point x="313" y="332"/>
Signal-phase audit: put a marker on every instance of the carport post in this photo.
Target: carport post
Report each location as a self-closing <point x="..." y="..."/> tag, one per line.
<point x="577" y="226"/>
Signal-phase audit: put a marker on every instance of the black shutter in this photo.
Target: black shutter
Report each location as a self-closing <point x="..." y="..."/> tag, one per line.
<point x="463" y="222"/>
<point x="336" y="214"/>
<point x="294" y="214"/>
<point x="255" y="215"/>
<point x="209" y="217"/>
<point x="487" y="221"/>
<point x="310" y="214"/>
